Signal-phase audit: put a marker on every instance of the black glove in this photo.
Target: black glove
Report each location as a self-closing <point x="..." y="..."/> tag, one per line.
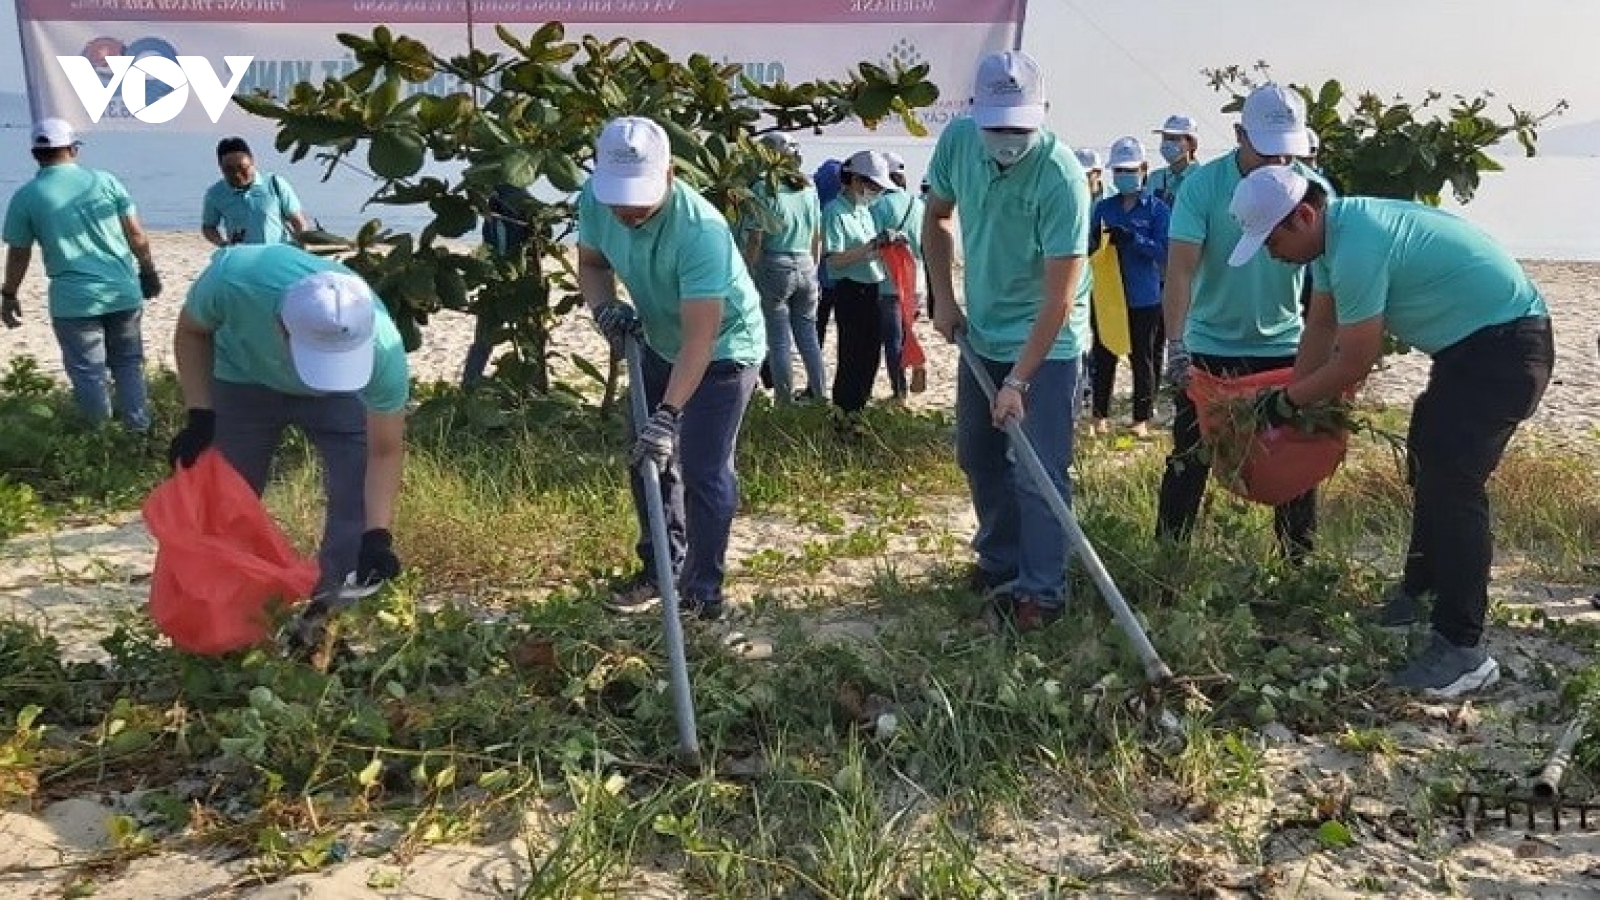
<point x="1119" y="236"/>
<point x="197" y="434"/>
<point x="616" y="320"/>
<point x="149" y="282"/>
<point x="657" y="441"/>
<point x="377" y="562"/>
<point x="10" y="310"/>
<point x="1274" y="407"/>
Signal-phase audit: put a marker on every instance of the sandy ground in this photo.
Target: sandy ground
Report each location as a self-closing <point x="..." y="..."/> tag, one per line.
<point x="78" y="579"/>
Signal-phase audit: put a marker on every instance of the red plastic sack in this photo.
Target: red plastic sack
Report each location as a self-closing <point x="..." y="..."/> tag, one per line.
<point x="1279" y="464"/>
<point x="220" y="560"/>
<point x="903" y="270"/>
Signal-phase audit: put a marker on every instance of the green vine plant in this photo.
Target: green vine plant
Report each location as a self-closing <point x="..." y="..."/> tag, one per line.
<point x="526" y="119"/>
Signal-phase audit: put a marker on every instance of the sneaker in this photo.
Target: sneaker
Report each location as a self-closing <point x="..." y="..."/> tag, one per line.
<point x="983" y="582"/>
<point x="1445" y="671"/>
<point x="702" y="608"/>
<point x="1401" y="609"/>
<point x="635" y="596"/>
<point x="1030" y="613"/>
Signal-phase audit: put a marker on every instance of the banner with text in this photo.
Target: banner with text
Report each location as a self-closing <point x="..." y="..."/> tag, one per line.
<point x="121" y="64"/>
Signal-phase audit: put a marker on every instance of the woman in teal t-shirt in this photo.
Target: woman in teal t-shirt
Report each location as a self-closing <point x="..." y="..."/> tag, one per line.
<point x="851" y="248"/>
<point x="782" y="244"/>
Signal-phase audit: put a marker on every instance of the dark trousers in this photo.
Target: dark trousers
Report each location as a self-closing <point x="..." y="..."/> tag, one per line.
<point x="1183" y="484"/>
<point x="1146" y="329"/>
<point x="892" y="329"/>
<point x="855" y="306"/>
<point x="699" y="491"/>
<point x="250" y="424"/>
<point x="825" y="295"/>
<point x="1479" y="389"/>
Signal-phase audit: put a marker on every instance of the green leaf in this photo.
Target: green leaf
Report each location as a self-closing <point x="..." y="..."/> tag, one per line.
<point x="396" y="153"/>
<point x="1333" y="835"/>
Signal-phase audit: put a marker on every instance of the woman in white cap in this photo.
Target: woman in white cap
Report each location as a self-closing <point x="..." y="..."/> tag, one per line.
<point x="851" y="245"/>
<point x="1180" y="140"/>
<point x="899" y="212"/>
<point x="782" y="246"/>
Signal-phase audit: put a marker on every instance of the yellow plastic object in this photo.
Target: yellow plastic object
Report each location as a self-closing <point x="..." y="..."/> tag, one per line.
<point x="1110" y="303"/>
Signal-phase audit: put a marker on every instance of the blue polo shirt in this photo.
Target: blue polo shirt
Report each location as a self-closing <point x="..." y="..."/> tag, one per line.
<point x="1012" y="221"/>
<point x="260" y="210"/>
<point x="1433" y="276"/>
<point x="75" y="215"/>
<point x="239" y="297"/>
<point x="683" y="252"/>
<point x="1249" y="310"/>
<point x="1144" y="260"/>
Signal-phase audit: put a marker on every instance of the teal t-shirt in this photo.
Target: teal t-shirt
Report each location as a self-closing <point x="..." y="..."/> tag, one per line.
<point x="1433" y="276"/>
<point x="789" y="221"/>
<point x="75" y="215"/>
<point x="1251" y="310"/>
<point x="1164" y="183"/>
<point x="846" y="226"/>
<point x="901" y="211"/>
<point x="684" y="252"/>
<point x="259" y="210"/>
<point x="239" y="296"/>
<point x="1012" y="220"/>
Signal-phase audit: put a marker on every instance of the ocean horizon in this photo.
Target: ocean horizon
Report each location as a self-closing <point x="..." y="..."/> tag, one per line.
<point x="1539" y="208"/>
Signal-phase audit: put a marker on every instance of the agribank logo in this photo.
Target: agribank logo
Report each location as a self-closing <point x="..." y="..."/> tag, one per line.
<point x="152" y="79"/>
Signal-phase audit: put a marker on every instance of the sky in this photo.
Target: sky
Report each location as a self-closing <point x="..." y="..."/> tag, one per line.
<point x="1119" y="68"/>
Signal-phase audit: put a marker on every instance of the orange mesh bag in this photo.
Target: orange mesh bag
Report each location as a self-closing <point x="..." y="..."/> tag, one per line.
<point x="220" y="560"/>
<point x="903" y="269"/>
<point x="1272" y="466"/>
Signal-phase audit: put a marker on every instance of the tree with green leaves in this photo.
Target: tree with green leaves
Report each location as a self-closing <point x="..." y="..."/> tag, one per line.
<point x="1398" y="148"/>
<point x="527" y="118"/>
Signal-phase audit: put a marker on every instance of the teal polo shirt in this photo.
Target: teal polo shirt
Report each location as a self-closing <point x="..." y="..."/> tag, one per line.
<point x="1164" y="183"/>
<point x="75" y="216"/>
<point x="1434" y="277"/>
<point x="1249" y="310"/>
<point x="684" y="252"/>
<point x="790" y="219"/>
<point x="846" y="226"/>
<point x="902" y="211"/>
<point x="239" y="296"/>
<point x="260" y="210"/>
<point x="1012" y="220"/>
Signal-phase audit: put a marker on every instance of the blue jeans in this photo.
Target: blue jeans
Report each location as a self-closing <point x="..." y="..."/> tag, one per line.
<point x="94" y="345"/>
<point x="789" y="293"/>
<point x="1017" y="531"/>
<point x="699" y="491"/>
<point x="893" y="331"/>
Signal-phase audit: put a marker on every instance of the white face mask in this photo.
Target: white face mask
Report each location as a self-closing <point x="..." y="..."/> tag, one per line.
<point x="1007" y="149"/>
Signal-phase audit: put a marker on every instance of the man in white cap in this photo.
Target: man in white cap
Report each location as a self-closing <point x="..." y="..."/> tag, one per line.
<point x="1180" y="141"/>
<point x="272" y="336"/>
<point x="1024" y="205"/>
<point x="1440" y="284"/>
<point x="1229" y="321"/>
<point x="699" y="318"/>
<point x="98" y="261"/>
<point x="1094" y="171"/>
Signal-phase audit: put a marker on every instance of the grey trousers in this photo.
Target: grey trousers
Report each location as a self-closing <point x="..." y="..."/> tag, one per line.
<point x="250" y="424"/>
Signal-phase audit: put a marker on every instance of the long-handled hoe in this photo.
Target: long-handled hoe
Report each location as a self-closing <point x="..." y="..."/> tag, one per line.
<point x="1157" y="675"/>
<point x="677" y="662"/>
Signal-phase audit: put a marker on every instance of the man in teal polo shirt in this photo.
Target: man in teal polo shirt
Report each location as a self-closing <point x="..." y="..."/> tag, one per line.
<point x="1024" y="205"/>
<point x="1229" y="321"/>
<point x="273" y="336"/>
<point x="699" y="317"/>
<point x="89" y="234"/>
<point x="1441" y="285"/>
<point x="248" y="206"/>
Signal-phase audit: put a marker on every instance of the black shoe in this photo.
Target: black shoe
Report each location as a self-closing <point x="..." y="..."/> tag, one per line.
<point x="704" y="609"/>
<point x="638" y="595"/>
<point x="983" y="582"/>
<point x="1029" y="613"/>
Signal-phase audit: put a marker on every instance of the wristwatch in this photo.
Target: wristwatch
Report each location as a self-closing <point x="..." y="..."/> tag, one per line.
<point x="1020" y="385"/>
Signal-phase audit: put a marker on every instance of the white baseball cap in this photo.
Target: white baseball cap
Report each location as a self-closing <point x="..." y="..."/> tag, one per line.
<point x="1260" y="203"/>
<point x="871" y="165"/>
<point x="1178" y="124"/>
<point x="1008" y="92"/>
<point x="1126" y="153"/>
<point x="54" y="134"/>
<point x="330" y="318"/>
<point x="897" y="163"/>
<point x="1274" y="120"/>
<point x="781" y="142"/>
<point x="1089" y="159"/>
<point x="632" y="159"/>
<point x="1313" y="140"/>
